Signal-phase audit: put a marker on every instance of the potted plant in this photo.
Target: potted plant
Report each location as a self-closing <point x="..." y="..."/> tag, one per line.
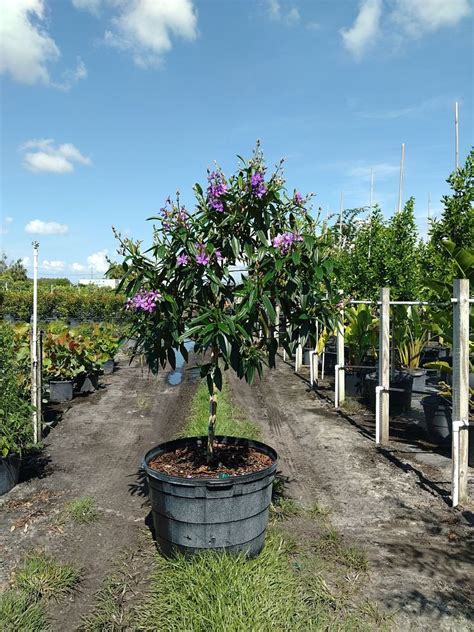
<point x="63" y="363"/>
<point x="360" y="334"/>
<point x="213" y="492"/>
<point x="411" y="337"/>
<point x="15" y="414"/>
<point x="107" y="343"/>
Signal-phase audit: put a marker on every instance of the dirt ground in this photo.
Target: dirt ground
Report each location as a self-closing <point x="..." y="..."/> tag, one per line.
<point x="421" y="551"/>
<point x="95" y="450"/>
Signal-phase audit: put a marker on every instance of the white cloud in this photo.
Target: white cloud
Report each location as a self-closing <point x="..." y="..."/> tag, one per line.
<point x="4" y="225"/>
<point x="381" y="170"/>
<point x="52" y="266"/>
<point x="52" y="158"/>
<point x="93" y="6"/>
<point x="26" y="48"/>
<point x="77" y="267"/>
<point x="362" y="35"/>
<point x="98" y="261"/>
<point x="417" y="17"/>
<point x="278" y="13"/>
<point x="8" y="220"/>
<point x="145" y="27"/>
<point x="38" y="227"/>
<point x="71" y="77"/>
<point x="25" y="261"/>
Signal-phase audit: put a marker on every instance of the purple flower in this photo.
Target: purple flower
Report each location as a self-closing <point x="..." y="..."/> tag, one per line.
<point x="285" y="241"/>
<point x="258" y="184"/>
<point x="298" y="198"/>
<point x="144" y="300"/>
<point x="216" y="190"/>
<point x="218" y="254"/>
<point x="182" y="260"/>
<point x="202" y="258"/>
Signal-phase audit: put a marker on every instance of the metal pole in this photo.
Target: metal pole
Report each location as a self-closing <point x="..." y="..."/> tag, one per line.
<point x="384" y="363"/>
<point x="460" y="390"/>
<point x="34" y="346"/>
<point x="400" y="183"/>
<point x="456" y="135"/>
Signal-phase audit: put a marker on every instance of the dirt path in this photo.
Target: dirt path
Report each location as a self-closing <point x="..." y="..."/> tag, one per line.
<point x="421" y="551"/>
<point x="94" y="451"/>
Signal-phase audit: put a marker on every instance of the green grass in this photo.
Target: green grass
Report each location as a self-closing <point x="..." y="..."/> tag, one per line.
<point x="81" y="511"/>
<point x="41" y="576"/>
<point x="230" y="420"/>
<point x="20" y="613"/>
<point x="109" y="613"/>
<point x="37" y="578"/>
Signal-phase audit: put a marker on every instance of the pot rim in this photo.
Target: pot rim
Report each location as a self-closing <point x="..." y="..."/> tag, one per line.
<point x="208" y="481"/>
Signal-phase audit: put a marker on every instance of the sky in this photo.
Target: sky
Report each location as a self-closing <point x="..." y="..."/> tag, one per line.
<point x="109" y="106"/>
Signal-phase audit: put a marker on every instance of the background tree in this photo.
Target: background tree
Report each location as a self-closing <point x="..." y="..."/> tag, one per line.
<point x="13" y="270"/>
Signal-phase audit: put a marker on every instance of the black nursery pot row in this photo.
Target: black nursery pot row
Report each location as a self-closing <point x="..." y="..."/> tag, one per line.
<point x="64" y="390"/>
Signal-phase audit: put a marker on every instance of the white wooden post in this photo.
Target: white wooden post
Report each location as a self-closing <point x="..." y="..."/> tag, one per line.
<point x="34" y="347"/>
<point x="340" y="360"/>
<point x="384" y="363"/>
<point x="460" y="390"/>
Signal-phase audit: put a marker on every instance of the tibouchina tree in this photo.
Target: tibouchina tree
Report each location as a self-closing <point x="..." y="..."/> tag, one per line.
<point x="185" y="286"/>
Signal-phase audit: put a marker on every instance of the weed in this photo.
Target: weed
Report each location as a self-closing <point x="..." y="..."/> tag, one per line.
<point x="20" y="613"/>
<point x="284" y="508"/>
<point x="41" y="576"/>
<point x="81" y="511"/>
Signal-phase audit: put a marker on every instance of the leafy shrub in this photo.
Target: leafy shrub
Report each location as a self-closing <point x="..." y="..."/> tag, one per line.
<point x="15" y="411"/>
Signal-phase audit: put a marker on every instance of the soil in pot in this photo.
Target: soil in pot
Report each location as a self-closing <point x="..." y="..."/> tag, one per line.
<point x="9" y="472"/>
<point x="218" y="508"/>
<point x="61" y="391"/>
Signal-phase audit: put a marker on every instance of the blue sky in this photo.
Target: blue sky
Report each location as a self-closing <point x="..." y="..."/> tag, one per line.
<point x="109" y="106"/>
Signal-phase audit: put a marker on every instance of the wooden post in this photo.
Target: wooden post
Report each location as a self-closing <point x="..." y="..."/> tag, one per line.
<point x="39" y="382"/>
<point x="340" y="359"/>
<point x="34" y="346"/>
<point x="384" y="362"/>
<point x="461" y="387"/>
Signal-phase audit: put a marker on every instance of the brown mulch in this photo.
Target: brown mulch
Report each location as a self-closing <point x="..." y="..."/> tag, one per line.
<point x="228" y="461"/>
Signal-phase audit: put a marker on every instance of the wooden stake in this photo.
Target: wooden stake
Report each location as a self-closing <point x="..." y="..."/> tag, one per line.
<point x="461" y="387"/>
<point x="340" y="359"/>
<point x="456" y="135"/>
<point x="400" y="183"/>
<point x="34" y="347"/>
<point x="384" y="362"/>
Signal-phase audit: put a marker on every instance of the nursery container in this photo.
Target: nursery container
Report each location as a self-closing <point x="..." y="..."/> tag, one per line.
<point x="419" y="379"/>
<point x="61" y="391"/>
<point x="438" y="417"/>
<point x="196" y="514"/>
<point x="108" y="367"/>
<point x="86" y="384"/>
<point x="398" y="401"/>
<point x="306" y="356"/>
<point x="9" y="472"/>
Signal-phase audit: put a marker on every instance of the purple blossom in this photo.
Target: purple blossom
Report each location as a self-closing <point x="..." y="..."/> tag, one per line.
<point x="182" y="259"/>
<point x="144" y="300"/>
<point x="218" y="254"/>
<point x="257" y="183"/>
<point x="285" y="241"/>
<point x="216" y="190"/>
<point x="298" y="198"/>
<point x="202" y="258"/>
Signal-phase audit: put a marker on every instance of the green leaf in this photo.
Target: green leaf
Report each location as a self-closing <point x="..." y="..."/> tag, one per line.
<point x="263" y="238"/>
<point x="269" y="308"/>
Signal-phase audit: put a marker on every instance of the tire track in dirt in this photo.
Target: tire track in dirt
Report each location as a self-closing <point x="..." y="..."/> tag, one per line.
<point x="421" y="551"/>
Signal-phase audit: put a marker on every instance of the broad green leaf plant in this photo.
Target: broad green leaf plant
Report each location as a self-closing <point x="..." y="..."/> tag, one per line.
<point x="219" y="274"/>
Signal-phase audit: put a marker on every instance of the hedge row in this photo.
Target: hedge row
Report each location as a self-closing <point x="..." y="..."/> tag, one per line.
<point x="84" y="304"/>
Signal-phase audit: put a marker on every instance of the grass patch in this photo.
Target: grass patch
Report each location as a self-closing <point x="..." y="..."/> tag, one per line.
<point x="20" y="613"/>
<point x="109" y="612"/>
<point x="230" y="420"/>
<point x="41" y="576"/>
<point x="81" y="511"/>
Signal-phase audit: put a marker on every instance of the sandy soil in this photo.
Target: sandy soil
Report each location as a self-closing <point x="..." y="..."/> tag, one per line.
<point x="421" y="551"/>
<point x="95" y="450"/>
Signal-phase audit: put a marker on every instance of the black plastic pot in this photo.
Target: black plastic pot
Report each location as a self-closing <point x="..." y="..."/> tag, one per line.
<point x="108" y="367"/>
<point x="438" y="417"/>
<point x="306" y="356"/>
<point x="61" y="391"/>
<point x="196" y="514"/>
<point x="86" y="383"/>
<point x="353" y="382"/>
<point x="9" y="472"/>
<point x="419" y="379"/>
<point x="398" y="401"/>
